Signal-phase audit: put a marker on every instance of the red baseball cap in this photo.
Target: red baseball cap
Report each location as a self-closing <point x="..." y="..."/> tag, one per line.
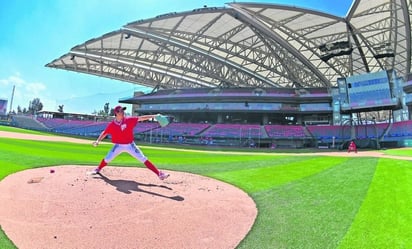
<point x="119" y="108"/>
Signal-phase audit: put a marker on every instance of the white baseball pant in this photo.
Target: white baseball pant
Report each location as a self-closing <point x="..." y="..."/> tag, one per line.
<point x="131" y="148"/>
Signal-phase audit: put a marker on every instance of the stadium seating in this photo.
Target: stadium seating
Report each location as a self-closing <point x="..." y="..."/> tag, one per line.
<point x="285" y="131"/>
<point x="74" y="127"/>
<point x="143" y="127"/>
<point x="28" y="122"/>
<point x="327" y="132"/>
<point x="182" y="129"/>
<point x="201" y="131"/>
<point x="86" y="129"/>
<point x="401" y="129"/>
<point x="64" y="124"/>
<point x="52" y="122"/>
<point x="234" y="131"/>
<point x="370" y="130"/>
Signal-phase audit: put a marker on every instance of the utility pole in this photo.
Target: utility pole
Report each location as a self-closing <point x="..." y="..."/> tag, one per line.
<point x="12" y="97"/>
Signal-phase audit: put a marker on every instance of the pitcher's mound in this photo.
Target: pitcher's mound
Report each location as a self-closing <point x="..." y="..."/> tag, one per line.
<point x="124" y="207"/>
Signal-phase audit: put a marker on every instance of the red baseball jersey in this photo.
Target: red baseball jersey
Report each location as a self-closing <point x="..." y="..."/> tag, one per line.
<point x="122" y="133"/>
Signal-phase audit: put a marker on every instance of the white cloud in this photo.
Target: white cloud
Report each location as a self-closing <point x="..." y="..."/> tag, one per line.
<point x="6" y="85"/>
<point x="35" y="88"/>
<point x="15" y="80"/>
<point x="24" y="92"/>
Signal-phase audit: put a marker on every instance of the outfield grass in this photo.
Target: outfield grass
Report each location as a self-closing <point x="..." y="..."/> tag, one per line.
<point x="399" y="152"/>
<point x="303" y="201"/>
<point x="14" y="129"/>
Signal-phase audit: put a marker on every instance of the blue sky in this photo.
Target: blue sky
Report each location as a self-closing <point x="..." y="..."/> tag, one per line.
<point x="35" y="32"/>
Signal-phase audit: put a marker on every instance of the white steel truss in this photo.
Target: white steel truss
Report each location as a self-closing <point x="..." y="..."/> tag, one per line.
<point x="251" y="45"/>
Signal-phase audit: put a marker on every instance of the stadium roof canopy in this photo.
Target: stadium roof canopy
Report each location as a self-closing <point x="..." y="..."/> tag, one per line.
<point x="251" y="45"/>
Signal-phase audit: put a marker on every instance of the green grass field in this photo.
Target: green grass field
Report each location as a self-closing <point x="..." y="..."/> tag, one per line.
<point x="303" y="201"/>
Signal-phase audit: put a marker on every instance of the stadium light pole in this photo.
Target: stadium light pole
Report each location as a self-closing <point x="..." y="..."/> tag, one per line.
<point x="11" y="101"/>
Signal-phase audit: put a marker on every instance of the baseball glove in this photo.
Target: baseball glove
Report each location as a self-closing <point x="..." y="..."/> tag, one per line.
<point x="163" y="120"/>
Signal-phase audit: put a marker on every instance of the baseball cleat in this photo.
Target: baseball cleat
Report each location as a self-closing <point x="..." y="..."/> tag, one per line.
<point x="93" y="172"/>
<point x="163" y="176"/>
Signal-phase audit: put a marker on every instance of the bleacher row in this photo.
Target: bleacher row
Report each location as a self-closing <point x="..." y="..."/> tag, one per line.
<point x="323" y="132"/>
<point x="91" y="128"/>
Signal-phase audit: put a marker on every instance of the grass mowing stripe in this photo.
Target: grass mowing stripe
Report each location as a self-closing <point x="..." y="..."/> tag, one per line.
<point x="42" y="152"/>
<point x="384" y="220"/>
<point x="58" y="152"/>
<point x="217" y="164"/>
<point x="399" y="152"/>
<point x="313" y="212"/>
<point x="21" y="130"/>
<point x="252" y="180"/>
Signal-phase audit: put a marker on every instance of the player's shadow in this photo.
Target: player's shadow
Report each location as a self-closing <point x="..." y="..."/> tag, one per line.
<point x="127" y="186"/>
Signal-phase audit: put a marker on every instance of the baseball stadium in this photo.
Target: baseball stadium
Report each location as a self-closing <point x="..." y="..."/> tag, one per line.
<point x="263" y="101"/>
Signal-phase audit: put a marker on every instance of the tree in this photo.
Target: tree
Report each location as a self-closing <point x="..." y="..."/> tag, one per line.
<point x="60" y="109"/>
<point x="35" y="106"/>
<point x="106" y="109"/>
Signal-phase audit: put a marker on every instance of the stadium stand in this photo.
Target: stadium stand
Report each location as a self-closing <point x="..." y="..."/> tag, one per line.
<point x="86" y="129"/>
<point x="392" y="134"/>
<point x="371" y="130"/>
<point x="235" y="131"/>
<point x="182" y="129"/>
<point x="52" y="123"/>
<point x="401" y="129"/>
<point x="285" y="131"/>
<point x="327" y="132"/>
<point x="143" y="127"/>
<point x="28" y="122"/>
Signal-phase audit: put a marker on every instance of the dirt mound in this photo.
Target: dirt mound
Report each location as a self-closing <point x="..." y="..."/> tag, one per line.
<point x="122" y="208"/>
